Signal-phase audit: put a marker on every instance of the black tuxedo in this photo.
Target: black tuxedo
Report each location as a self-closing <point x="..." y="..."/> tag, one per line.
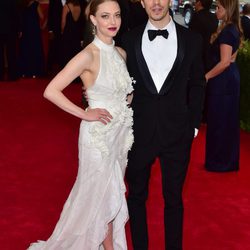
<point x="164" y="125"/>
<point x="245" y="23"/>
<point x="204" y="23"/>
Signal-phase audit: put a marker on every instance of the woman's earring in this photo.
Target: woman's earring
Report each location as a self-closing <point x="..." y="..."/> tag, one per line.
<point x="94" y="30"/>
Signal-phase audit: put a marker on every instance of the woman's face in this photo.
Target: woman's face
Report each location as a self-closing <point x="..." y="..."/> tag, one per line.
<point x="220" y="12"/>
<point x="107" y="19"/>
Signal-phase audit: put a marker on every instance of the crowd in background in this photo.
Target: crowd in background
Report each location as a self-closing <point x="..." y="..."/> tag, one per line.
<point x="245" y="21"/>
<point x="25" y="23"/>
<point x="22" y="22"/>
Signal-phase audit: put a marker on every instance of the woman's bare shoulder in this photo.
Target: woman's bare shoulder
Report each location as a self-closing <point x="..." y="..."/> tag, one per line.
<point x="84" y="60"/>
<point x="87" y="54"/>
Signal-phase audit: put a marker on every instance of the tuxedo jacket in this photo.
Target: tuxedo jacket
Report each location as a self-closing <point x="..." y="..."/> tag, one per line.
<point x="245" y="23"/>
<point x="174" y="112"/>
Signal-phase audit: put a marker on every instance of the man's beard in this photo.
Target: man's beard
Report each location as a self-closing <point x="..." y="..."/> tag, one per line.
<point x="159" y="18"/>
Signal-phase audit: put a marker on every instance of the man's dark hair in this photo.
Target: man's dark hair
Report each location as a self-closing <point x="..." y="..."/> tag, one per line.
<point x="206" y="4"/>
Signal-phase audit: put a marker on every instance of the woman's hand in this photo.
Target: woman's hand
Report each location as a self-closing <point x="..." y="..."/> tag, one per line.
<point x="98" y="114"/>
<point x="226" y="58"/>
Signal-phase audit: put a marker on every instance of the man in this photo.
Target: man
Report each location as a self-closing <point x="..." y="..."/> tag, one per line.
<point x="9" y="28"/>
<point x="167" y="104"/>
<point x="205" y="23"/>
<point x="245" y="21"/>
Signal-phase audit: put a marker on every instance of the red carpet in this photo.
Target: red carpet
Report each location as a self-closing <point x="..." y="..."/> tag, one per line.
<point x="38" y="163"/>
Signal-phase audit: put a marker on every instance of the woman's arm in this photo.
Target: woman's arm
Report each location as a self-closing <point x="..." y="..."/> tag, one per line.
<point x="41" y="16"/>
<point x="225" y="60"/>
<point x="54" y="91"/>
<point x="40" y="12"/>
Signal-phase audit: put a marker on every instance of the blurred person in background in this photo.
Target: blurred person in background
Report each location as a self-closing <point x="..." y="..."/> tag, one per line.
<point x="245" y="21"/>
<point x="54" y="28"/>
<point x="223" y="92"/>
<point x="9" y="27"/>
<point x="205" y="23"/>
<point x="31" y="60"/>
<point x="71" y="29"/>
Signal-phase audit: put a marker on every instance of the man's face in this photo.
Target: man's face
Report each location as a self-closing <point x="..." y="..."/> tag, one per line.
<point x="197" y="5"/>
<point x="157" y="10"/>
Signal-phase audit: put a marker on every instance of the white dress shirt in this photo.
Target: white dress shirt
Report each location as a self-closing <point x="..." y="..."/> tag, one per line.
<point x="160" y="53"/>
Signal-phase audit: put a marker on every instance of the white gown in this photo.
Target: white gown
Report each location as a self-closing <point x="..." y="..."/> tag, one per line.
<point x="98" y="195"/>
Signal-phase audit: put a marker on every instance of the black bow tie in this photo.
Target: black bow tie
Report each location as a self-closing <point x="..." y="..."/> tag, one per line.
<point x="152" y="34"/>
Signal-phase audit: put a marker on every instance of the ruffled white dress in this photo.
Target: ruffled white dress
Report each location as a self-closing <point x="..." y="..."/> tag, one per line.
<point x="98" y="195"/>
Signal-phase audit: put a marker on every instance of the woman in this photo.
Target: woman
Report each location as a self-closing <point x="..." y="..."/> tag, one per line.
<point x="72" y="30"/>
<point x="96" y="211"/>
<point x="223" y="90"/>
<point x="31" y="54"/>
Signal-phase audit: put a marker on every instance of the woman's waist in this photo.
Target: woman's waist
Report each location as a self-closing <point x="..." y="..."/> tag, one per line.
<point x="120" y="117"/>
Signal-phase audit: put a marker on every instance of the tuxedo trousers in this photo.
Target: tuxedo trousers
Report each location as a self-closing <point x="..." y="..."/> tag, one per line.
<point x="174" y="162"/>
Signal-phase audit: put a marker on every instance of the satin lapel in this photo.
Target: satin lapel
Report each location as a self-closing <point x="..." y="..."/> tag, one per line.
<point x="177" y="63"/>
<point x="142" y="65"/>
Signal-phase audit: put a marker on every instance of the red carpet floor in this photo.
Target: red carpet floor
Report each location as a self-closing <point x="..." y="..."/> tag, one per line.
<point x="38" y="166"/>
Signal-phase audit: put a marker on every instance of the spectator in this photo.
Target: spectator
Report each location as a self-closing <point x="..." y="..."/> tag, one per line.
<point x="71" y="30"/>
<point x="31" y="54"/>
<point x="54" y="27"/>
<point x="205" y="23"/>
<point x="9" y="25"/>
<point x="223" y="92"/>
<point x="245" y="21"/>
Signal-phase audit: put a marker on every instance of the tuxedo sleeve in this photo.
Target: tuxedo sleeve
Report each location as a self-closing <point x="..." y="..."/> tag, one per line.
<point x="196" y="83"/>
